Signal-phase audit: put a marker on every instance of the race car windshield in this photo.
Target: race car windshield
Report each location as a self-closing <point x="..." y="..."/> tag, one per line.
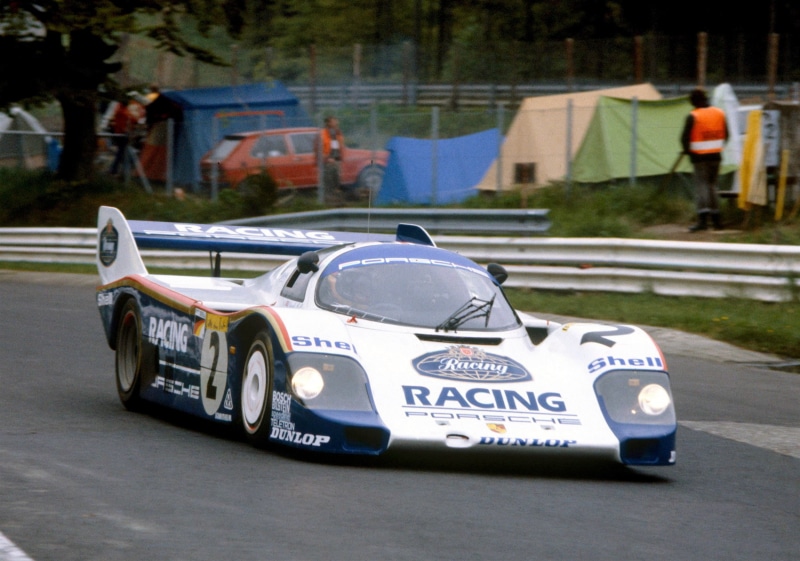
<point x="435" y="295"/>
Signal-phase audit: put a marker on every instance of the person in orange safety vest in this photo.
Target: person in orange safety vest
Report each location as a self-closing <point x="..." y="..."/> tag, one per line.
<point x="332" y="152"/>
<point x="703" y="139"/>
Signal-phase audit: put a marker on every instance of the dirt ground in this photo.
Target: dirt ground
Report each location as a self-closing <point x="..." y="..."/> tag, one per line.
<point x="680" y="232"/>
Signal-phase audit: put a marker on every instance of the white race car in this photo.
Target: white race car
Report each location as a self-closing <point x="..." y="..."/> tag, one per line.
<point x="363" y="344"/>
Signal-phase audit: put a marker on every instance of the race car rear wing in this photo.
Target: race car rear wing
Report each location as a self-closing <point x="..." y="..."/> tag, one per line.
<point x="120" y="240"/>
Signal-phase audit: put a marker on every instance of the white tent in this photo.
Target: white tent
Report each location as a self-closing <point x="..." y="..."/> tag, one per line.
<point x="24" y="141"/>
<point x="536" y="150"/>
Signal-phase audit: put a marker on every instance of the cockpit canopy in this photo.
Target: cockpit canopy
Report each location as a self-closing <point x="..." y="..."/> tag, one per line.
<point x="414" y="285"/>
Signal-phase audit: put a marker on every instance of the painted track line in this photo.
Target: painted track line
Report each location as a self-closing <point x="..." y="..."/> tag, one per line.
<point x="780" y="439"/>
<point x="10" y="552"/>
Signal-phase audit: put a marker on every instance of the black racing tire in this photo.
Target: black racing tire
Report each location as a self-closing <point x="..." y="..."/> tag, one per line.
<point x="370" y="180"/>
<point x="129" y="358"/>
<point x="255" y="399"/>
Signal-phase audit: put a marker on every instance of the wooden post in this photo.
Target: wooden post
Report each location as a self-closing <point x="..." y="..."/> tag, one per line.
<point x="781" y="196"/>
<point x="570" y="54"/>
<point x="235" y="64"/>
<point x="702" y="58"/>
<point x="638" y="59"/>
<point x="162" y="68"/>
<point x="406" y="71"/>
<point x="123" y="76"/>
<point x="356" y="73"/>
<point x="454" y="98"/>
<point x="312" y="76"/>
<point x="268" y="56"/>
<point x="195" y="80"/>
<point x="772" y="65"/>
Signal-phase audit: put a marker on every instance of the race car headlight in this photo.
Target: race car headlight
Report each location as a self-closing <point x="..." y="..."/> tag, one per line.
<point x="307" y="383"/>
<point x="326" y="381"/>
<point x="654" y="399"/>
<point x="636" y="397"/>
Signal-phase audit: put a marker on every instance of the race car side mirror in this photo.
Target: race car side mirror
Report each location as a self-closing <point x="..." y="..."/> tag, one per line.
<point x="498" y="272"/>
<point x="307" y="262"/>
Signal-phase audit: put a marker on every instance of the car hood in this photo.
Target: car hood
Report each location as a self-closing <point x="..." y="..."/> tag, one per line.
<point x="463" y="389"/>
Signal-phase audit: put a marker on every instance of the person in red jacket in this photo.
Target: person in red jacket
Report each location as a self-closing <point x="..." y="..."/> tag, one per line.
<point x="703" y="138"/>
<point x="122" y="124"/>
<point x="332" y="151"/>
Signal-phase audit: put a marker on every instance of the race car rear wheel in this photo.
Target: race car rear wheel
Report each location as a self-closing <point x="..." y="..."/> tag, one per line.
<point x="129" y="356"/>
<point x="256" y="396"/>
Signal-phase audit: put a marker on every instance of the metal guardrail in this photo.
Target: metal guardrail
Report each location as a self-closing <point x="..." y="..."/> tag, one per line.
<point x="716" y="270"/>
<point x="522" y="222"/>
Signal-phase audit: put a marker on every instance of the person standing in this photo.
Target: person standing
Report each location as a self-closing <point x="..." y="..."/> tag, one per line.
<point x="122" y="123"/>
<point x="332" y="151"/>
<point x="703" y="138"/>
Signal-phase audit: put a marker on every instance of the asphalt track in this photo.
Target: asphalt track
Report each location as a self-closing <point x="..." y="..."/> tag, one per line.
<point x="82" y="479"/>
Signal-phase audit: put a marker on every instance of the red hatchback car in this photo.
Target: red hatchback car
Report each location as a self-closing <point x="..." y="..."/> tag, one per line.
<point x="290" y="157"/>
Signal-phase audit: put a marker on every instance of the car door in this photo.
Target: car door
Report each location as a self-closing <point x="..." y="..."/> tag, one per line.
<point x="304" y="161"/>
<point x="272" y="152"/>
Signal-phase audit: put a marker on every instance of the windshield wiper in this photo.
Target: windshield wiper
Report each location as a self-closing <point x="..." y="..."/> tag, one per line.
<point x="473" y="308"/>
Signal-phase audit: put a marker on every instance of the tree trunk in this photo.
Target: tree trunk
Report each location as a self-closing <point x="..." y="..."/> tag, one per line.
<point x="79" y="112"/>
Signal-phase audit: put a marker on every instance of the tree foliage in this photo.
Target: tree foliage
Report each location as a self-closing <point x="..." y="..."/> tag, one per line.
<point x="64" y="49"/>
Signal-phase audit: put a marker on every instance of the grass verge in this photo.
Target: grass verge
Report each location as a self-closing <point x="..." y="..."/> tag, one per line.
<point x="759" y="326"/>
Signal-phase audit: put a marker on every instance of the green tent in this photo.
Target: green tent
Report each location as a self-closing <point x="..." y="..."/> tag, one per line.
<point x="606" y="154"/>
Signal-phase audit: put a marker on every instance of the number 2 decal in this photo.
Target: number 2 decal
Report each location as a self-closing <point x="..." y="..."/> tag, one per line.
<point x="599" y="336"/>
<point x="213" y="369"/>
<point x="213" y="345"/>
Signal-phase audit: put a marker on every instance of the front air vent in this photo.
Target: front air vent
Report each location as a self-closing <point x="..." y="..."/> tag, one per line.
<point x="456" y="340"/>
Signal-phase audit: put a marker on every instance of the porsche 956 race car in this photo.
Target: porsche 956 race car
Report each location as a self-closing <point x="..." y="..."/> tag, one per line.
<point x="363" y="344"/>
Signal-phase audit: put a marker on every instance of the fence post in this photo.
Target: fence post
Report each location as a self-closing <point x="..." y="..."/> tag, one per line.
<point x="499" y="166"/>
<point x="170" y="140"/>
<point x="570" y="47"/>
<point x="702" y="55"/>
<point x="434" y="153"/>
<point x="569" y="146"/>
<point x="356" y="73"/>
<point x="268" y="55"/>
<point x="638" y="59"/>
<point x="312" y="76"/>
<point x="772" y="65"/>
<point x="634" y="136"/>
<point x="235" y="64"/>
<point x="21" y="163"/>
<point x="406" y="72"/>
<point x="320" y="165"/>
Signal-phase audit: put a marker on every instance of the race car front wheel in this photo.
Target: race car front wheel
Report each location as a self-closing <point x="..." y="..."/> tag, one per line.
<point x="129" y="356"/>
<point x="256" y="397"/>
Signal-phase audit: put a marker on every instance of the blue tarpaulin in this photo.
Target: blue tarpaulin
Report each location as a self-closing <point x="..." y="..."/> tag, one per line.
<point x="208" y="114"/>
<point x="460" y="164"/>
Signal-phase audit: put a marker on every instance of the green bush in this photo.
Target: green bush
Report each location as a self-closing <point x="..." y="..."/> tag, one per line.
<point x="258" y="194"/>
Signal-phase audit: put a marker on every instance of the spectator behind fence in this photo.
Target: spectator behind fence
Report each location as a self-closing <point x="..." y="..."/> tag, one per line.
<point x="704" y="135"/>
<point x="122" y="124"/>
<point x="332" y="149"/>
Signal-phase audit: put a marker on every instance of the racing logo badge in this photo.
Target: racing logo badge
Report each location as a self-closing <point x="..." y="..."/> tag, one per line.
<point x="470" y="364"/>
<point x="109" y="242"/>
<point x="496" y="427"/>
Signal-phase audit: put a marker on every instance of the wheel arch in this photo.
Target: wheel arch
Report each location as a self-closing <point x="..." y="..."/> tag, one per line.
<point x="250" y="326"/>
<point x="248" y="332"/>
<point x="116" y="317"/>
